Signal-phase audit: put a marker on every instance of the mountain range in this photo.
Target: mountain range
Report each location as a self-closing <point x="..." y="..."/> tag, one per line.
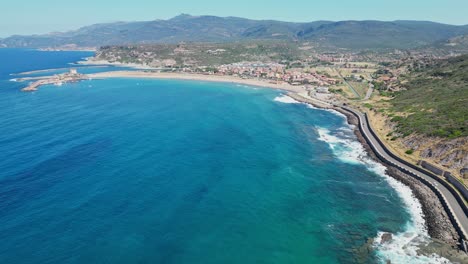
<point x="343" y="34"/>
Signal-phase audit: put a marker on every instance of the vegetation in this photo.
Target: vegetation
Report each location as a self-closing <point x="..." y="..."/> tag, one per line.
<point x="360" y="87"/>
<point x="367" y="105"/>
<point x="435" y="100"/>
<point x="206" y="54"/>
<point x="380" y="86"/>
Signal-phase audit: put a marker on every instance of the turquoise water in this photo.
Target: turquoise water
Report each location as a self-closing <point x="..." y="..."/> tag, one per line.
<point x="163" y="171"/>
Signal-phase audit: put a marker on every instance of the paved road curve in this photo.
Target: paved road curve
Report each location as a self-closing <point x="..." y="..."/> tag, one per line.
<point x="454" y="206"/>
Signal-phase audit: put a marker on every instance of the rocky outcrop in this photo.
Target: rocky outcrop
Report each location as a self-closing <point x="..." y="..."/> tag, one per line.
<point x="449" y="154"/>
<point x="386" y="238"/>
<point x="444" y="250"/>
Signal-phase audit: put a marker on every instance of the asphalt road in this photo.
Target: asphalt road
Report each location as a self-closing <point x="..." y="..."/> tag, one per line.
<point x="456" y="208"/>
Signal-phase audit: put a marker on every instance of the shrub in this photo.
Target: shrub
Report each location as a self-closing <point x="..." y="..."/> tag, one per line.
<point x="409" y="151"/>
<point x="367" y="105"/>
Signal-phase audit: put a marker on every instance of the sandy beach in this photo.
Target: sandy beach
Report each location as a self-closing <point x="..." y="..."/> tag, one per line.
<point x="198" y="77"/>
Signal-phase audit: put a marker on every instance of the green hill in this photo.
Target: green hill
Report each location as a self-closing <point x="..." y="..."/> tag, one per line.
<point x="436" y="100"/>
<point x="327" y="34"/>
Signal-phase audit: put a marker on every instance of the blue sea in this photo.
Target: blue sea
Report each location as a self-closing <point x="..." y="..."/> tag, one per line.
<point x="166" y="171"/>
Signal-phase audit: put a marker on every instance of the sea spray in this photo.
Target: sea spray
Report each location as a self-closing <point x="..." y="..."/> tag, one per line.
<point x="286" y="99"/>
<point x="289" y="100"/>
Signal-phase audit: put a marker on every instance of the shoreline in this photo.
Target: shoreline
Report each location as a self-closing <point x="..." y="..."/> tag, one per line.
<point x="444" y="237"/>
<point x="262" y="83"/>
<point x="437" y="220"/>
<point x="427" y="201"/>
<point x="199" y="77"/>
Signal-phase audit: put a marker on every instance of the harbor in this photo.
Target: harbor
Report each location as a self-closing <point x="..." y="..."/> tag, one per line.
<point x="71" y="76"/>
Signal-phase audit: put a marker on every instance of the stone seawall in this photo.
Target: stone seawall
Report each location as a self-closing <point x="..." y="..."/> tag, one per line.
<point x="430" y="167"/>
<point x="455" y="182"/>
<point x="448" y="176"/>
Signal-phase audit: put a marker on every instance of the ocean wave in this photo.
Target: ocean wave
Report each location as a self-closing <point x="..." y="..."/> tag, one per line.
<point x="403" y="248"/>
<point x="289" y="100"/>
<point x="336" y="113"/>
<point x="286" y="100"/>
<point x="345" y="149"/>
<point x="311" y="106"/>
<point x="247" y="86"/>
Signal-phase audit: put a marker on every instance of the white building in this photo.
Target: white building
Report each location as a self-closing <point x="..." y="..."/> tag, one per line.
<point x="322" y="89"/>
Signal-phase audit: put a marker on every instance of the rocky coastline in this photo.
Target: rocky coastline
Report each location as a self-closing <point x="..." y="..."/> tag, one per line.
<point x="438" y="223"/>
<point x="444" y="237"/>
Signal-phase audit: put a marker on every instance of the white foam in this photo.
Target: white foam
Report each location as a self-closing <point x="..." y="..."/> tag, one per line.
<point x="289" y="100"/>
<point x="347" y="150"/>
<point x="336" y="113"/>
<point x="286" y="100"/>
<point x="404" y="246"/>
<point x="311" y="106"/>
<point x="13" y="80"/>
<point x="244" y="86"/>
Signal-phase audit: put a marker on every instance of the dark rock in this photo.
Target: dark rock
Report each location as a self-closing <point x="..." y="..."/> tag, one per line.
<point x="386" y="237"/>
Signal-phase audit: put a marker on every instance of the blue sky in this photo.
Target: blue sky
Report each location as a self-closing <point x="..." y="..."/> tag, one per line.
<point x="42" y="16"/>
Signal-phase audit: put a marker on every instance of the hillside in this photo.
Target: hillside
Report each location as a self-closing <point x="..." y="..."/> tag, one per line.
<point x="327" y="34"/>
<point x="435" y="100"/>
<point x="447" y="47"/>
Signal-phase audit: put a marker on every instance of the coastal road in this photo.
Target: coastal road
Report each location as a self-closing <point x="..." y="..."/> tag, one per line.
<point x="455" y="207"/>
